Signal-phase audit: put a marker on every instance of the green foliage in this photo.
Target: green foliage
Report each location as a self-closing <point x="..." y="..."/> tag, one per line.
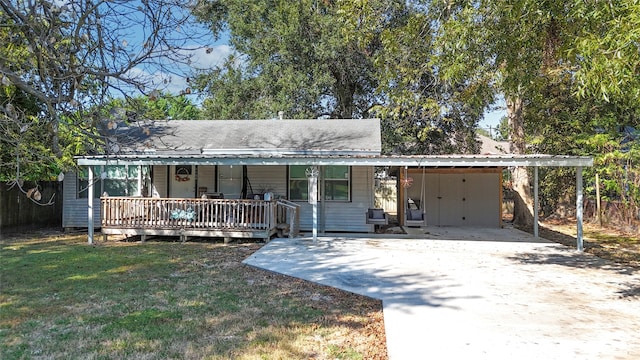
<point x="162" y="106"/>
<point x="27" y="151"/>
<point x="60" y="61"/>
<point x="503" y="129"/>
<point x="558" y="122"/>
<point x="293" y="60"/>
<point x="574" y="66"/>
<point x="341" y="59"/>
<point x="606" y="48"/>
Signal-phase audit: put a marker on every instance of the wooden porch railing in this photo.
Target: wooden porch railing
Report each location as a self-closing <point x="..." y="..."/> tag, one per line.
<point x="289" y="213"/>
<point x="177" y="213"/>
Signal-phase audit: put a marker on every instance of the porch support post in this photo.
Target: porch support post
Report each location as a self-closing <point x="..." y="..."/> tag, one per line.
<point x="315" y="222"/>
<point x="140" y="181"/>
<point x="579" y="207"/>
<point x="536" y="201"/>
<point x="90" y="205"/>
<point x="312" y="173"/>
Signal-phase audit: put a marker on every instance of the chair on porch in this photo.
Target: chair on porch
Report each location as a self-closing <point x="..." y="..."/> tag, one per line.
<point x="414" y="217"/>
<point x="377" y="217"/>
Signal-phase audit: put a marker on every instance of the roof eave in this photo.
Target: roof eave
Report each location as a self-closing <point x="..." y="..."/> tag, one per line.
<point x="360" y="160"/>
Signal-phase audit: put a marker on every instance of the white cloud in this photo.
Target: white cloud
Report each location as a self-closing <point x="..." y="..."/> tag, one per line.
<point x="210" y="57"/>
<point x="201" y="59"/>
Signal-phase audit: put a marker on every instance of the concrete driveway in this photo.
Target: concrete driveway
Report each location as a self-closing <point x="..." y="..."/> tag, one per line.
<point x="476" y="293"/>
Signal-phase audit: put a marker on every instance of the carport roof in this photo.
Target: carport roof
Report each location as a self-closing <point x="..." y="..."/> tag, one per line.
<point x="271" y="158"/>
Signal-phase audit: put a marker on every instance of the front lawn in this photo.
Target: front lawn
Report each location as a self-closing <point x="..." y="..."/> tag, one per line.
<point x="61" y="298"/>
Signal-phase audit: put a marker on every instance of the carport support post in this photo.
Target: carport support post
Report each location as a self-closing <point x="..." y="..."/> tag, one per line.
<point x="535" y="202"/>
<point x="579" y="207"/>
<point x="90" y="207"/>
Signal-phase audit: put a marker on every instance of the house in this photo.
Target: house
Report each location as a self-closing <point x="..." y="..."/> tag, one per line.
<point x="203" y="178"/>
<point x="234" y="160"/>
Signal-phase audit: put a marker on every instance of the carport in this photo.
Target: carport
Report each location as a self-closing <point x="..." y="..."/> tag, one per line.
<point x="493" y="165"/>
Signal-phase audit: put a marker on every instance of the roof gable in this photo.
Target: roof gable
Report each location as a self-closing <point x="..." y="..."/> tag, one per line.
<point x="247" y="137"/>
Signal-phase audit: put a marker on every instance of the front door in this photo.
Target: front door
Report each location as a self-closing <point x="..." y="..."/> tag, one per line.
<point x="183" y="182"/>
<point x="230" y="181"/>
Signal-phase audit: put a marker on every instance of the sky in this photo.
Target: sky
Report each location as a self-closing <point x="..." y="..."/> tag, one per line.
<point x="202" y="58"/>
<point x="492" y="117"/>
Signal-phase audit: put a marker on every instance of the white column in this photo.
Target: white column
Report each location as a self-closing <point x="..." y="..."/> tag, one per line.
<point x="315" y="222"/>
<point x="536" y="202"/>
<point x="140" y="182"/>
<point x="579" y="207"/>
<point x="312" y="173"/>
<point x="322" y="210"/>
<point x="90" y="205"/>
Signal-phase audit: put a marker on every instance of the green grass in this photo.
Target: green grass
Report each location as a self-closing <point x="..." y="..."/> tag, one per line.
<point x="62" y="298"/>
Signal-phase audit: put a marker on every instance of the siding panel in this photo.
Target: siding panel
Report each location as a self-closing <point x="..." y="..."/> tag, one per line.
<point x="345" y="216"/>
<point x="159" y="181"/>
<point x="459" y="199"/>
<point x="75" y="210"/>
<point x="207" y="178"/>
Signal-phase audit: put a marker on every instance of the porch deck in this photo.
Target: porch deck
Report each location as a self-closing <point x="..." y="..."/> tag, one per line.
<point x="225" y="218"/>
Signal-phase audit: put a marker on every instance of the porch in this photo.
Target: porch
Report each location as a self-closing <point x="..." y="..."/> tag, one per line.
<point x="185" y="217"/>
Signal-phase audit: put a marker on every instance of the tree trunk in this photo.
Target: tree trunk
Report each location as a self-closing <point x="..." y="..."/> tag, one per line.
<point x="522" y="199"/>
<point x="344" y="90"/>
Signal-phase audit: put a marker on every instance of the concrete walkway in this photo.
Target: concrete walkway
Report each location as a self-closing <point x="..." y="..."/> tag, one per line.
<point x="476" y="293"/>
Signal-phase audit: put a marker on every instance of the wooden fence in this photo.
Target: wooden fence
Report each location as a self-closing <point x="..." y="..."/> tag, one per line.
<point x="386" y="196"/>
<point x="17" y="212"/>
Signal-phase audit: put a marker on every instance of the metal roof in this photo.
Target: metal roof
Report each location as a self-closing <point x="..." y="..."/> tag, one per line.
<point x="354" y="142"/>
<point x="352" y="160"/>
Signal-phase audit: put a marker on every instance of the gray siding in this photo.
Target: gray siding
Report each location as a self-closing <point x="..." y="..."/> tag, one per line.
<point x="207" y="178"/>
<point x="74" y="210"/>
<point x="159" y="182"/>
<point x="345" y="216"/>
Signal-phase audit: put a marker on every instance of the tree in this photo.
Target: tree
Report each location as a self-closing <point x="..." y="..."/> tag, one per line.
<point x="507" y="46"/>
<point x="162" y="107"/>
<point x="426" y="114"/>
<point x="293" y="60"/>
<point x="339" y="59"/>
<point x="606" y="48"/>
<point x="561" y="122"/>
<point x="503" y="129"/>
<point x="554" y="62"/>
<point x="68" y="59"/>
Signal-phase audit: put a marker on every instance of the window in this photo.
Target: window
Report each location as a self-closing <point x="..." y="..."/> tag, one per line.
<point x="298" y="183"/>
<point x="336" y="180"/>
<point x="83" y="182"/>
<point x="336" y="183"/>
<point x="118" y="180"/>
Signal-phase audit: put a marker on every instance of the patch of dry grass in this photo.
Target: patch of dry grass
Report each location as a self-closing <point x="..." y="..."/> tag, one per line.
<point x="609" y="243"/>
<point x="62" y="298"/>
